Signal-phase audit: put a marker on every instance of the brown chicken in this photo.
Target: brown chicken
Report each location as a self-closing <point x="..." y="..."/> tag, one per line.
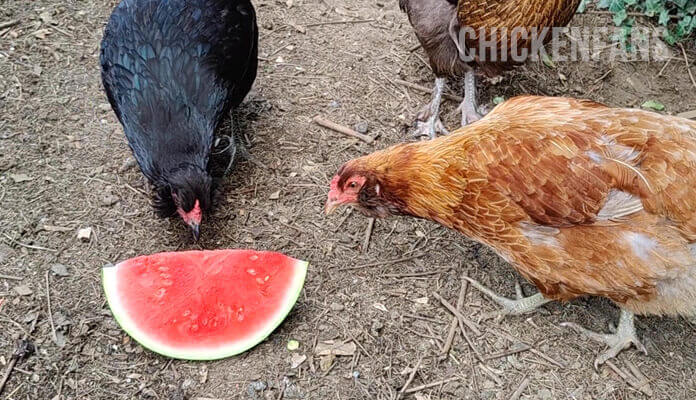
<point x="582" y="199"/>
<point x="438" y="23"/>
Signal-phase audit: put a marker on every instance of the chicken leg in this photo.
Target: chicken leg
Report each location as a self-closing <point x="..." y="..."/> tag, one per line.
<point x="521" y="305"/>
<point x="428" y="121"/>
<point x="624" y="336"/>
<point x="469" y="107"/>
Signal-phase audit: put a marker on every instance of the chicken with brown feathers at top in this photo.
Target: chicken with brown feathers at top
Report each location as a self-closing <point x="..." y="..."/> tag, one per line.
<point x="452" y="33"/>
<point x="582" y="199"/>
<point x="172" y="70"/>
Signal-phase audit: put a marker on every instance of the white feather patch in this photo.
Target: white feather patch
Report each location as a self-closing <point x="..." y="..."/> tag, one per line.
<point x="619" y="204"/>
<point x="641" y="244"/>
<point x="539" y="234"/>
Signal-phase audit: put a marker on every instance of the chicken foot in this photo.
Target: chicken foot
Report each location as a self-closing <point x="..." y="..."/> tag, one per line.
<point x="469" y="107"/>
<point x="428" y="121"/>
<point x="621" y="339"/>
<point x="521" y="304"/>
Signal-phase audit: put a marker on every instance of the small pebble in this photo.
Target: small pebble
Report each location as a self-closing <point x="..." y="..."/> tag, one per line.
<point x="362" y="127"/>
<point x="258" y="385"/>
<point x="336" y="307"/>
<point x="109" y="200"/>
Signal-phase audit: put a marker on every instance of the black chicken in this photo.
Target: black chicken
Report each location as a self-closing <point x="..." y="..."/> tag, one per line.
<point x="172" y="69"/>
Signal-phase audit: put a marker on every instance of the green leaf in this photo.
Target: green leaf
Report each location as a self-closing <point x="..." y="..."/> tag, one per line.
<point x="293" y="345"/>
<point x="546" y="59"/>
<point x="653" y="105"/>
<point x="619" y="17"/>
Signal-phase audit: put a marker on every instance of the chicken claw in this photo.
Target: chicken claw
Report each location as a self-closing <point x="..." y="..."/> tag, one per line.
<point x="624" y="336"/>
<point x="521" y="305"/>
<point x="428" y="121"/>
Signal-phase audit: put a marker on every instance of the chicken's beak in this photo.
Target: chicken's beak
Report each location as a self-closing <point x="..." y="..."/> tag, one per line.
<point x="331" y="206"/>
<point x="196" y="230"/>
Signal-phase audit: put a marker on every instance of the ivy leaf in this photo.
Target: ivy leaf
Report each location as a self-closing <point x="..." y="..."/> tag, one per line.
<point x="619" y="17"/>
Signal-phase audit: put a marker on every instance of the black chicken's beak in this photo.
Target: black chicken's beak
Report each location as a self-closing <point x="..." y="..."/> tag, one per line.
<point x="196" y="230"/>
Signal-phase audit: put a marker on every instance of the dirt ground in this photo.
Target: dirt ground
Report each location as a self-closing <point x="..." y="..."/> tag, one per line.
<point x="63" y="167"/>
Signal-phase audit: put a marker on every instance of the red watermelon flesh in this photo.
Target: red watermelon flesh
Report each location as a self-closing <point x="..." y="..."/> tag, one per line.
<point x="203" y="305"/>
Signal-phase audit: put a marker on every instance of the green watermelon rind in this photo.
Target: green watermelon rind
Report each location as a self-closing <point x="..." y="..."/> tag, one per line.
<point x="109" y="282"/>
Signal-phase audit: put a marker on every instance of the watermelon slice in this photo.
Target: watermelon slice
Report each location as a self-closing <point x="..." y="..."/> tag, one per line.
<point x="203" y="305"/>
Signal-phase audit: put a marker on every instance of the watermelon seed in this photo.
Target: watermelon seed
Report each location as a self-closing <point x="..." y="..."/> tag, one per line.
<point x="254" y="257"/>
<point x="251" y="271"/>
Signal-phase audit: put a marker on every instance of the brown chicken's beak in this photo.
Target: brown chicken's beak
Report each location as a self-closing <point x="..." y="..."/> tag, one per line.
<point x="331" y="206"/>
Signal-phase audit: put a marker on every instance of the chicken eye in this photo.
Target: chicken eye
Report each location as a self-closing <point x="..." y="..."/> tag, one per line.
<point x="352" y="185"/>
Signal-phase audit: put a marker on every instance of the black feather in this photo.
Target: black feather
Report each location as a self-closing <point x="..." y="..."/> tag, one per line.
<point x="172" y="69"/>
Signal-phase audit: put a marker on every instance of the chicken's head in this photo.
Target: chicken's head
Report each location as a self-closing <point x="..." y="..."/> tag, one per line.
<point x="360" y="189"/>
<point x="191" y="192"/>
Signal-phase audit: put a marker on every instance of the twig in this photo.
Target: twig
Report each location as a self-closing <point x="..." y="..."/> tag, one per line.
<point x="453" y="326"/>
<point x="424" y="89"/>
<point x="11" y="278"/>
<point x="414" y="48"/>
<point x="414" y="274"/>
<point x="429" y="385"/>
<point x="15" y="358"/>
<point x="342" y="129"/>
<point x="547" y="358"/>
<point x="382" y="263"/>
<point x="522" y="386"/>
<point x="410" y="378"/>
<point x="468" y="340"/>
<point x="355" y="21"/>
<point x="509" y="352"/>
<point x="634" y="382"/>
<point x="282" y="391"/>
<point x="466" y="321"/>
<point x="368" y="234"/>
<point x="50" y="313"/>
<point x="630" y="14"/>
<point x="29" y="246"/>
<point x="8" y="24"/>
<point x="686" y="60"/>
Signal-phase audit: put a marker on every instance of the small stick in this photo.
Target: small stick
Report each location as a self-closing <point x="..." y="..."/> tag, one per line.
<point x="355" y="21"/>
<point x="508" y="352"/>
<point x="50" y="313"/>
<point x="14" y="359"/>
<point x="422" y="318"/>
<point x="466" y="321"/>
<point x="414" y="48"/>
<point x="414" y="274"/>
<point x="424" y="89"/>
<point x="342" y="129"/>
<point x="686" y="60"/>
<point x="382" y="263"/>
<point x="453" y="326"/>
<point x="470" y="343"/>
<point x="368" y="234"/>
<point x="282" y="391"/>
<point x="547" y="358"/>
<point x="8" y="24"/>
<point x="410" y="378"/>
<point x="429" y="385"/>
<point x="29" y="246"/>
<point x="522" y="386"/>
<point x="11" y="277"/>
